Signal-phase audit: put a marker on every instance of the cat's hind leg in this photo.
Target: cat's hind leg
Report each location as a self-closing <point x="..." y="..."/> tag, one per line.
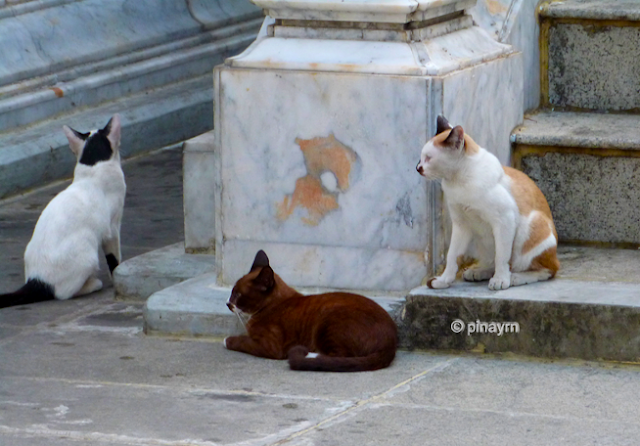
<point x="111" y="248"/>
<point x="478" y="274"/>
<point x="526" y="277"/>
<point x="484" y="269"/>
<point x="91" y="285"/>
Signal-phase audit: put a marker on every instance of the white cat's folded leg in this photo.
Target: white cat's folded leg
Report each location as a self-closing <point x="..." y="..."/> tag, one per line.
<point x="460" y="239"/>
<point x="478" y="274"/>
<point x="524" y="278"/>
<point x="92" y="284"/>
<point x="484" y="269"/>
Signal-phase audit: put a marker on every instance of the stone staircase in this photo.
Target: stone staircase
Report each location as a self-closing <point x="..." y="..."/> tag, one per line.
<point x="64" y="63"/>
<point x="582" y="148"/>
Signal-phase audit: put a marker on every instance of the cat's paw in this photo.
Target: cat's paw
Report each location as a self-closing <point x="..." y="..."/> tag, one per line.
<point x="224" y="342"/>
<point x="477" y="274"/>
<point x="501" y="282"/>
<point x="437" y="283"/>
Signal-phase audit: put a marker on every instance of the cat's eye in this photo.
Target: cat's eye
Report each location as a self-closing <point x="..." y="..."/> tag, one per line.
<point x="427" y="158"/>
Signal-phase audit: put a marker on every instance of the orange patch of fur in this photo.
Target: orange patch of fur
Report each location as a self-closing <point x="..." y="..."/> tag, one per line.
<point x="529" y="198"/>
<point x="539" y="230"/>
<point x="470" y="146"/>
<point x="547" y="260"/>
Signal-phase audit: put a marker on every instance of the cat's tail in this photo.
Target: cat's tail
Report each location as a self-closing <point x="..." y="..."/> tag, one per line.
<point x="33" y="291"/>
<point x="300" y="359"/>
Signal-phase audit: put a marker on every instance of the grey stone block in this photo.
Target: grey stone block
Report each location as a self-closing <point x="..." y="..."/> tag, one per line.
<point x="592" y="9"/>
<point x="587" y="166"/>
<point x="595" y="66"/>
<point x="141" y="276"/>
<point x="592" y="198"/>
<point x="558" y="318"/>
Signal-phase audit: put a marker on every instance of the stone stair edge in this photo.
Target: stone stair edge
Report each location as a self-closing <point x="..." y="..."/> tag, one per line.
<point x="117" y="62"/>
<point x="95" y="88"/>
<point x="39" y="153"/>
<point x="589" y="130"/>
<point x="591" y="10"/>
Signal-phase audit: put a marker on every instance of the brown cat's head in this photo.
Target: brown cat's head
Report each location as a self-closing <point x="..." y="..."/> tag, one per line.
<point x="253" y="291"/>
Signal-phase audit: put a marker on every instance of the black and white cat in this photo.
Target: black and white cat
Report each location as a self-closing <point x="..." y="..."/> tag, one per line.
<point x="61" y="260"/>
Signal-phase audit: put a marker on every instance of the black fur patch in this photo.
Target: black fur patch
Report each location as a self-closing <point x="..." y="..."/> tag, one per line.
<point x="112" y="262"/>
<point x="82" y="136"/>
<point x="34" y="290"/>
<point x="96" y="149"/>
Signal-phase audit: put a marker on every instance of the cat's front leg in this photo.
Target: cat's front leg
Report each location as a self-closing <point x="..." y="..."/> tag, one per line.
<point x="504" y="232"/>
<point x="245" y="344"/>
<point x="460" y="239"/>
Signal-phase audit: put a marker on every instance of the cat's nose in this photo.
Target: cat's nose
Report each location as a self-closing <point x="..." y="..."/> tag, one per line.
<point x="419" y="168"/>
<point x="231" y="307"/>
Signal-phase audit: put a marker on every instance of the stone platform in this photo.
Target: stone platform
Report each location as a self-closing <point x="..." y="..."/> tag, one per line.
<point x="590" y="311"/>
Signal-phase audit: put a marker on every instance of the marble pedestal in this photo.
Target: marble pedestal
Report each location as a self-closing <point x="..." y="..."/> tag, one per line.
<point x="318" y="128"/>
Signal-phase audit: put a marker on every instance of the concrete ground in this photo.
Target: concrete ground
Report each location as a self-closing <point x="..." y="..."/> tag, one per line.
<point x="82" y="372"/>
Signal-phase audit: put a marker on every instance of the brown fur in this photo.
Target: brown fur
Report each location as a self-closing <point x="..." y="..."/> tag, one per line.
<point x="470" y="146"/>
<point x="350" y="332"/>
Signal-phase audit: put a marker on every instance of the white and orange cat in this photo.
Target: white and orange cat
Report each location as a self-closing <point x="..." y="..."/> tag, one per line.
<point x="499" y="209"/>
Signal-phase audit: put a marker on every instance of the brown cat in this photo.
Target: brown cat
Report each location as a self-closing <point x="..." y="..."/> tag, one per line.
<point x="350" y="333"/>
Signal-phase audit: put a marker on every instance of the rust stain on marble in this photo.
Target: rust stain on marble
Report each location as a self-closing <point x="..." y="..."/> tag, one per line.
<point x="321" y="154"/>
<point x="495" y="7"/>
<point x="58" y="91"/>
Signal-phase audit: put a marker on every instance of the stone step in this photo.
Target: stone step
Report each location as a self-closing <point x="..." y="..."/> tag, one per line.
<point x="35" y="99"/>
<point x="591" y="310"/>
<point x="590" y="55"/>
<point x="588" y="166"/>
<point x="45" y="37"/>
<point x="197" y="308"/>
<point x="138" y="278"/>
<point x="39" y="154"/>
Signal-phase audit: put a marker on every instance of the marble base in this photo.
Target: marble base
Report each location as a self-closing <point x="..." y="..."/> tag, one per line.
<point x="322" y="175"/>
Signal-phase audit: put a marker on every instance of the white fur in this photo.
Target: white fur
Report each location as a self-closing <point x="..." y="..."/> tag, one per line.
<point x="64" y="248"/>
<point x="483" y="211"/>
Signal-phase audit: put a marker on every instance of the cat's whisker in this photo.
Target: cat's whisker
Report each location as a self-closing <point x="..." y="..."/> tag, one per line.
<point x="242" y="321"/>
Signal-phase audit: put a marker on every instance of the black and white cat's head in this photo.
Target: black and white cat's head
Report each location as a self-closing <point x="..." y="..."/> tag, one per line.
<point x="97" y="145"/>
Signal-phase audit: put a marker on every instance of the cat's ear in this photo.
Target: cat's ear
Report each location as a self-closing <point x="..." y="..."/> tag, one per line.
<point x="112" y="131"/>
<point x="455" y="139"/>
<point x="442" y="124"/>
<point x="76" y="139"/>
<point x="265" y="280"/>
<point x="260" y="260"/>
